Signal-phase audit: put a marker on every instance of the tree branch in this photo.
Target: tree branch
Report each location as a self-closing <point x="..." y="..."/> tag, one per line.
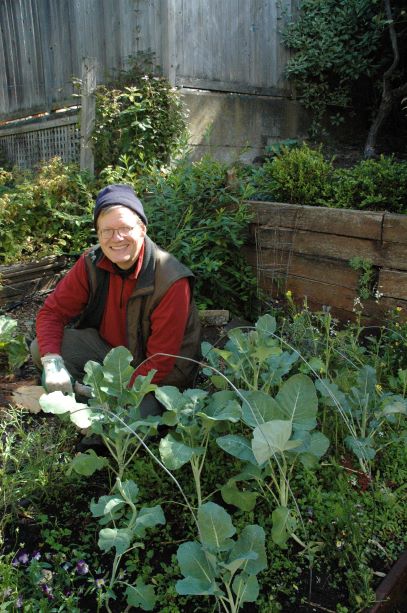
<point x="389" y="96"/>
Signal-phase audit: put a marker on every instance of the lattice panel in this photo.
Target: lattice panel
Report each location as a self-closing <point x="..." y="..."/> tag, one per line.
<point x="28" y="149"/>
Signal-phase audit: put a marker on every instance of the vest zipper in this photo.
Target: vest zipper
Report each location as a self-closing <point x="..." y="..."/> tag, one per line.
<point x="121" y="294"/>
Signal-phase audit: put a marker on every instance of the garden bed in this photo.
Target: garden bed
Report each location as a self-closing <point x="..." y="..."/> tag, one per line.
<point x="354" y="521"/>
<point x="308" y="251"/>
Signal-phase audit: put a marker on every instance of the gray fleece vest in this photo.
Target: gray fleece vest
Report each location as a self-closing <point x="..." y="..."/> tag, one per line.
<point x="159" y="271"/>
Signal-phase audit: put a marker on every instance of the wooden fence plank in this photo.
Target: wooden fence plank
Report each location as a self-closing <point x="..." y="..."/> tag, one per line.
<point x="359" y="224"/>
<point x="88" y="113"/>
<point x="43" y="43"/>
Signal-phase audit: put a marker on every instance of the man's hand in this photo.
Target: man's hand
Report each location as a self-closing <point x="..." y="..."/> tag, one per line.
<point x="56" y="378"/>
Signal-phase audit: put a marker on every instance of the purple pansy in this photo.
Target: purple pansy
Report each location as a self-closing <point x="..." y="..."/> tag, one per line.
<point x="82" y="568"/>
<point x="47" y="591"/>
<point x="21" y="558"/>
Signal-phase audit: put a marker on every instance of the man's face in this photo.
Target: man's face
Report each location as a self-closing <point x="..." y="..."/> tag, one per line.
<point x="121" y="249"/>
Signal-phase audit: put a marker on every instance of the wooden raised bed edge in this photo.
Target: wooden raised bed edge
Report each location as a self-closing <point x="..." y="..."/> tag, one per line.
<point x="21" y="281"/>
<point x="307" y="250"/>
<point x="393" y="589"/>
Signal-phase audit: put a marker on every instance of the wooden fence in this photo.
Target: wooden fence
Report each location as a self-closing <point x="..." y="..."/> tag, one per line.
<point x="227" y="45"/>
<point x="308" y="249"/>
<point x="230" y="46"/>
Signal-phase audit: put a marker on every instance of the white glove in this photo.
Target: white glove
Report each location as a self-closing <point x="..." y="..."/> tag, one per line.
<point x="56" y="378"/>
<point x="82" y="390"/>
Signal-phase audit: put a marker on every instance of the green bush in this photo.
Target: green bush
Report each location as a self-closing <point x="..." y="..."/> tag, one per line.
<point x="193" y="212"/>
<point x="144" y="120"/>
<point x="197" y="216"/>
<point x="335" y="45"/>
<point x="372" y="184"/>
<point x="299" y="175"/>
<point x="45" y="213"/>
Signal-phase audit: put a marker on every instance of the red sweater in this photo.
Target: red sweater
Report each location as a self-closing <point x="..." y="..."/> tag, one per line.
<point x="68" y="300"/>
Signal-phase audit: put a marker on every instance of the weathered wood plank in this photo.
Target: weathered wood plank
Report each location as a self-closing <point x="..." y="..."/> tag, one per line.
<point x="280" y="263"/>
<point x="393" y="283"/>
<point x="308" y="249"/>
<point x="169" y="40"/>
<point x="359" y="224"/>
<point x="324" y="245"/>
<point x="49" y="40"/>
<point x="28" y="276"/>
<point x="19" y="291"/>
<point x="395" y="228"/>
<point x="44" y="124"/>
<point x="21" y="280"/>
<point x="394" y="255"/>
<point x="88" y="113"/>
<point x="321" y="293"/>
<point x="342" y="303"/>
<point x="30" y="269"/>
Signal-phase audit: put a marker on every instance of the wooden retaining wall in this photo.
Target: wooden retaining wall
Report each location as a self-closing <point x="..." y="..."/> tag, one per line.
<point x="19" y="282"/>
<point x="307" y="250"/>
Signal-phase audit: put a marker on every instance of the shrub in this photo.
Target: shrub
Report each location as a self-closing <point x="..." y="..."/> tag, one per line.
<point x="144" y="120"/>
<point x="299" y="175"/>
<point x="45" y="213"/>
<point x="12" y="344"/>
<point x="197" y="216"/>
<point x="335" y="46"/>
<point x="372" y="184"/>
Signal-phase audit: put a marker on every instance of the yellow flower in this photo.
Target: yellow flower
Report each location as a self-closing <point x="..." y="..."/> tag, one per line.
<point x="288" y="293"/>
<point x="398" y="309"/>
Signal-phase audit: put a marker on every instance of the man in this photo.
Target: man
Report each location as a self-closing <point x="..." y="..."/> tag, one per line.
<point x="125" y="291"/>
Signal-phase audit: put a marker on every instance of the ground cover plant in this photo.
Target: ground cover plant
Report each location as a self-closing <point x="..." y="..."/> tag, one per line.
<point x="13" y="347"/>
<point x="281" y="504"/>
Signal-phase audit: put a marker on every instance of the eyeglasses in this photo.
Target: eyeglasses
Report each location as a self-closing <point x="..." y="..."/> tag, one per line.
<point x="108" y="233"/>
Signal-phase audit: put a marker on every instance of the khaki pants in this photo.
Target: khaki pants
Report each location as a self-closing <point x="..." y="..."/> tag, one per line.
<point x="81" y="345"/>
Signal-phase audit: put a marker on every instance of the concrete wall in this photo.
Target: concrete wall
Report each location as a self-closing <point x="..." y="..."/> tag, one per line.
<point x="231" y="125"/>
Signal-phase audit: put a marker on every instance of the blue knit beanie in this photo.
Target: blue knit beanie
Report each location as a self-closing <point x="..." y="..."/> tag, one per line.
<point x="122" y="195"/>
